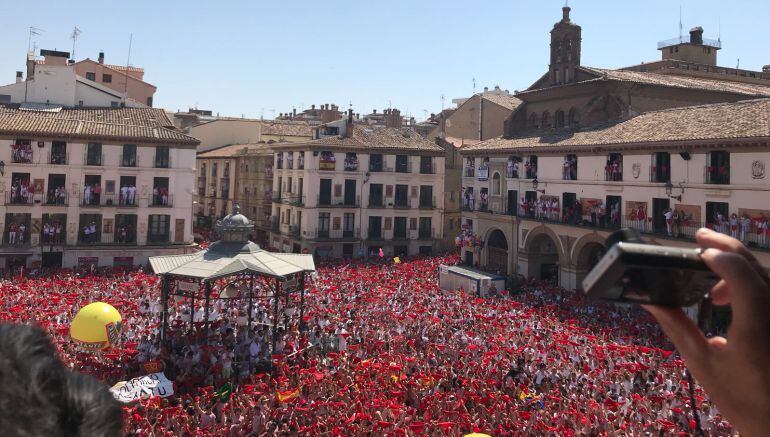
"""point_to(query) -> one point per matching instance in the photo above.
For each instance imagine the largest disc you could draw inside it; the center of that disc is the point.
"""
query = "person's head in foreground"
(40, 397)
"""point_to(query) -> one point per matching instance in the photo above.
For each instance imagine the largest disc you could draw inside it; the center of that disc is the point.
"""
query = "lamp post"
(670, 188)
(535, 184)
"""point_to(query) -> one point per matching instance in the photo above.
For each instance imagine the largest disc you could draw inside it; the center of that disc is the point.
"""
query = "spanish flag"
(288, 395)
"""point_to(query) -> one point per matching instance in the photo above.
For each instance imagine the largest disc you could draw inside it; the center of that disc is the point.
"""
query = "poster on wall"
(590, 205)
(688, 214)
(326, 161)
(483, 172)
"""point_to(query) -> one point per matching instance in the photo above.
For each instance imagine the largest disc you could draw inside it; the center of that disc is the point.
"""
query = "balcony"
(402, 203)
(17, 240)
(428, 168)
(337, 234)
(18, 199)
(613, 173)
(294, 231)
(276, 196)
(716, 175)
(161, 161)
(158, 238)
(531, 173)
(469, 172)
(376, 202)
(338, 202)
(128, 161)
(469, 204)
(426, 234)
(428, 203)
(162, 200)
(94, 159)
(275, 224)
(659, 175)
(512, 173)
(57, 239)
(53, 200)
(62, 158)
(296, 200)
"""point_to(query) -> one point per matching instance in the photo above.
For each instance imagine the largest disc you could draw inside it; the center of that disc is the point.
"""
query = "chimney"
(327, 107)
(294, 112)
(349, 125)
(766, 69)
(101, 57)
(312, 107)
(486, 88)
(696, 36)
(374, 111)
(565, 13)
(19, 77)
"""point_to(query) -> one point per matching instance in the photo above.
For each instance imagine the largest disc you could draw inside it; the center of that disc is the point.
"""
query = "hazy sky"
(261, 58)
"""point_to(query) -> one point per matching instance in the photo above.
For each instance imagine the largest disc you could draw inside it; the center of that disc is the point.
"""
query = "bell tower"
(565, 49)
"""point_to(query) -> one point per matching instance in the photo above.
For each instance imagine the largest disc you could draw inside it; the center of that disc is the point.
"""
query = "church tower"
(565, 50)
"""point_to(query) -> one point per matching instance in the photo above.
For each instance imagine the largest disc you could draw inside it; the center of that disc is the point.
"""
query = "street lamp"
(2, 168)
(535, 183)
(670, 188)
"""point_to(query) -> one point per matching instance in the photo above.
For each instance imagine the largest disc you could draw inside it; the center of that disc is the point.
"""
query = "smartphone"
(656, 275)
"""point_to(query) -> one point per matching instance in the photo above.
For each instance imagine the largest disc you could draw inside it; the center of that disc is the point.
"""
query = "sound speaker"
(685, 155)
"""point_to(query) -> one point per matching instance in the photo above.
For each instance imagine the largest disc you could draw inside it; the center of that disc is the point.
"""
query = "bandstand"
(192, 276)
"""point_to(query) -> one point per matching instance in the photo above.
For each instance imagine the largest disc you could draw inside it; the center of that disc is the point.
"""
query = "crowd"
(22, 191)
(383, 351)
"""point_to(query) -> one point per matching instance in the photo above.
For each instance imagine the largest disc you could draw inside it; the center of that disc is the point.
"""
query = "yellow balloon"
(96, 326)
(477, 434)
(397, 260)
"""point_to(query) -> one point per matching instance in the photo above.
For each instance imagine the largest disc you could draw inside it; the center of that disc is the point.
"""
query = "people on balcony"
(22, 191)
(128, 195)
(52, 232)
(21, 153)
(16, 233)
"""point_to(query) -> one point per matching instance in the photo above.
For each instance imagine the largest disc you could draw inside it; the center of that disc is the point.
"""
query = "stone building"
(590, 150)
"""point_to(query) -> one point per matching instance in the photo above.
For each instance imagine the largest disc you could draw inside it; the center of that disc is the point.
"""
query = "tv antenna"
(474, 85)
(681, 27)
(443, 97)
(32, 31)
(74, 37)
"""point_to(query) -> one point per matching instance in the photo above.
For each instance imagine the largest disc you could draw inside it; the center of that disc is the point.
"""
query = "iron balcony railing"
(61, 158)
(339, 201)
(429, 168)
(55, 239)
(161, 200)
(336, 234)
(427, 203)
(52, 199)
(716, 175)
(18, 198)
(95, 159)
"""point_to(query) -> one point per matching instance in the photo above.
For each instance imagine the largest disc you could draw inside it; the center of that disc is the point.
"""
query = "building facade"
(590, 151)
(357, 190)
(241, 174)
(105, 187)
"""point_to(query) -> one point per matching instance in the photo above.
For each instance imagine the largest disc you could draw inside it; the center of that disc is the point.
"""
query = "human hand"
(734, 371)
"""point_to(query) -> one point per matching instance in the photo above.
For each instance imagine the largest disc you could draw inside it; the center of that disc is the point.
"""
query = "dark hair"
(39, 396)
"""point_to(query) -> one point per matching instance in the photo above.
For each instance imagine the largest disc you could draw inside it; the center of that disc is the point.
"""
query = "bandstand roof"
(225, 258)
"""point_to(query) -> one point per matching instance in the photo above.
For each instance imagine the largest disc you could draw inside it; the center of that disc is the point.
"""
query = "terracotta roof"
(374, 137)
(287, 128)
(723, 121)
(116, 124)
(667, 80)
(235, 150)
(506, 101)
(124, 68)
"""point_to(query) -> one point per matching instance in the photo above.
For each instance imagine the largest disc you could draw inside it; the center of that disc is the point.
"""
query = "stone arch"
(497, 249)
(586, 252)
(545, 120)
(544, 253)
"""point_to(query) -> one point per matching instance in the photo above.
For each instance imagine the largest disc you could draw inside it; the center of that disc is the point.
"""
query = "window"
(569, 172)
(324, 192)
(496, 184)
(375, 162)
(125, 228)
(426, 165)
(399, 228)
(94, 154)
(512, 167)
(545, 121)
(425, 227)
(560, 119)
(91, 76)
(613, 171)
(572, 118)
(162, 157)
(161, 196)
(375, 196)
(402, 164)
(660, 169)
(149, 102)
(718, 167)
(226, 172)
(114, 104)
(90, 229)
(129, 156)
(401, 199)
(375, 227)
(213, 169)
(348, 225)
(426, 196)
(533, 121)
(107, 78)
(531, 167)
(158, 229)
(351, 161)
(21, 152)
